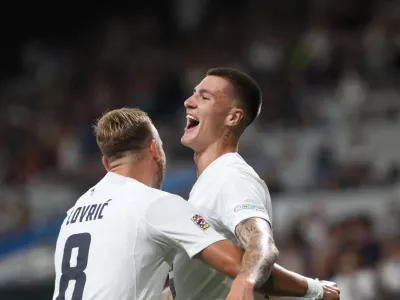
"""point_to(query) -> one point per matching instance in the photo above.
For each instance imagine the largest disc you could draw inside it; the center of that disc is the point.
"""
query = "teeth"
(192, 118)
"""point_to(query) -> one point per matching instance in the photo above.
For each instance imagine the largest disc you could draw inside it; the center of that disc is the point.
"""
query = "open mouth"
(192, 122)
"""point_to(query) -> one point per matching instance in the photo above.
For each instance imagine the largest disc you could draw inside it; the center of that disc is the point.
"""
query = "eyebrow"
(203, 91)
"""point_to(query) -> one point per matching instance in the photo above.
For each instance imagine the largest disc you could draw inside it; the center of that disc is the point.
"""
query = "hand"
(331, 291)
(241, 289)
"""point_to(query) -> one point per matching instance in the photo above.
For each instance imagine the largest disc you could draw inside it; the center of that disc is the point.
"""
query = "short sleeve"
(177, 224)
(244, 198)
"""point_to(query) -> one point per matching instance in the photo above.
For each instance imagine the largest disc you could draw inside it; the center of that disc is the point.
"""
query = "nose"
(190, 102)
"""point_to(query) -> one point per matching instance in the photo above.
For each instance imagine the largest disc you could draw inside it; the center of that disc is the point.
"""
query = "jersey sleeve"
(176, 224)
(244, 198)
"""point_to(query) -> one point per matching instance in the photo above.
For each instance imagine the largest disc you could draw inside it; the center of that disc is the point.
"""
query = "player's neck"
(136, 172)
(204, 158)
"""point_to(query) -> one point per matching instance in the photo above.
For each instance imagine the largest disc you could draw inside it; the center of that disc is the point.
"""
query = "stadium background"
(327, 141)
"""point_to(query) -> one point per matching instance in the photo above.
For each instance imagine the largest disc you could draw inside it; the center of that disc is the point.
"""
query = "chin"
(183, 141)
(187, 142)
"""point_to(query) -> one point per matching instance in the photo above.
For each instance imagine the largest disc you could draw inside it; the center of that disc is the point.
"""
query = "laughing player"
(232, 197)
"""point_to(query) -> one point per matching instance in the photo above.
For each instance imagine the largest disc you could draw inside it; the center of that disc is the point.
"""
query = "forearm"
(223, 256)
(260, 251)
(286, 283)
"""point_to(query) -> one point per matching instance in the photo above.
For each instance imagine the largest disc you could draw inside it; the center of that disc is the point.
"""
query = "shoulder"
(241, 183)
(235, 167)
(165, 196)
(164, 201)
(149, 194)
(242, 176)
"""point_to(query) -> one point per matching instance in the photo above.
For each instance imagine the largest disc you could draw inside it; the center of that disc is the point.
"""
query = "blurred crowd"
(349, 252)
(153, 61)
(330, 65)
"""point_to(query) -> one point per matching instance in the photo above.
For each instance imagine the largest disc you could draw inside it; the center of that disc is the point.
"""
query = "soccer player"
(120, 237)
(232, 197)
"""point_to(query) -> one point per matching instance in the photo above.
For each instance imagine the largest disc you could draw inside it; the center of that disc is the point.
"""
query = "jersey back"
(116, 242)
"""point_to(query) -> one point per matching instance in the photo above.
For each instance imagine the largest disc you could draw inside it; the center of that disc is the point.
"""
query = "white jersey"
(226, 193)
(119, 239)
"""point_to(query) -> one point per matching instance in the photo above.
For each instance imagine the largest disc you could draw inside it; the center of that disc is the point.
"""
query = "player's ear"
(105, 163)
(234, 117)
(154, 150)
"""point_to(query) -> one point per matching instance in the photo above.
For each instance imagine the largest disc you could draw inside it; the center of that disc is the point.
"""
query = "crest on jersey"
(249, 206)
(199, 221)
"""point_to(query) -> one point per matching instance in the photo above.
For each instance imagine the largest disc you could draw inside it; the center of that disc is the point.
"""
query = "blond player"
(120, 237)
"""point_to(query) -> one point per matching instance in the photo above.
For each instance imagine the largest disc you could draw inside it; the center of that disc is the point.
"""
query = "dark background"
(326, 141)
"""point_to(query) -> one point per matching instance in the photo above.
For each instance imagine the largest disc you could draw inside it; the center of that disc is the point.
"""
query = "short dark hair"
(246, 90)
(123, 130)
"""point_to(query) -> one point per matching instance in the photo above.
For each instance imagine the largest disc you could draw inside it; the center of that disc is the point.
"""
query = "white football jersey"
(119, 239)
(226, 193)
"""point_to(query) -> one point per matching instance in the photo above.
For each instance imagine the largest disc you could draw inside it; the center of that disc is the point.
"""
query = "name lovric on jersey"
(87, 213)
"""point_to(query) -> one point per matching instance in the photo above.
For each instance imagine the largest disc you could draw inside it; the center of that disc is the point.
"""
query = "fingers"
(328, 283)
(332, 288)
(331, 291)
(331, 294)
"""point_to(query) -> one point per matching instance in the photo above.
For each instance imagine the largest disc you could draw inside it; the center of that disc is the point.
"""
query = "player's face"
(207, 110)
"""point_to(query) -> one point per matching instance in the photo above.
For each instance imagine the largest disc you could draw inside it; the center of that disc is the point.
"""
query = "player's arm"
(176, 224)
(285, 283)
(223, 256)
(245, 213)
(255, 236)
(281, 282)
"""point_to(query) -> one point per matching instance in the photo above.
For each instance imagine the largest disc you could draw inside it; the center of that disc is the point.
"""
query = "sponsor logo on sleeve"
(199, 221)
(255, 207)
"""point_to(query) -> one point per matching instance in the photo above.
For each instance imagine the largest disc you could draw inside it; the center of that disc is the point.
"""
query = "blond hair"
(122, 131)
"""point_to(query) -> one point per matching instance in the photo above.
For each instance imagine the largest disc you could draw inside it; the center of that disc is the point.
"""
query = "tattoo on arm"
(255, 235)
